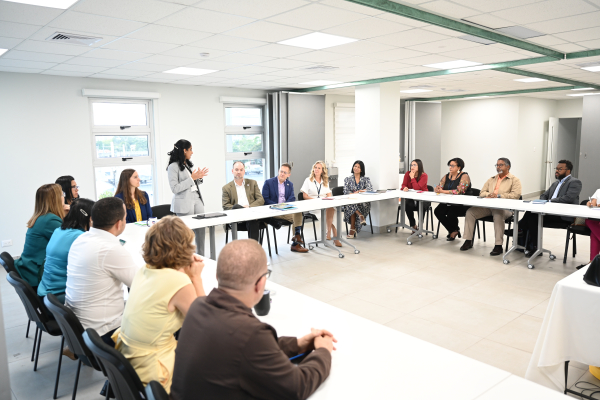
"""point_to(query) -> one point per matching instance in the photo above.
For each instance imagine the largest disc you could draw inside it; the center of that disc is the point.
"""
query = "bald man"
(225, 352)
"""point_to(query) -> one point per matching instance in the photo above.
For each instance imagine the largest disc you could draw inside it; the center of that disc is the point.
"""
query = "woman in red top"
(415, 179)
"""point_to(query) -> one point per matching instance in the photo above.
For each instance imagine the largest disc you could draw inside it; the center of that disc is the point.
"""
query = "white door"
(551, 151)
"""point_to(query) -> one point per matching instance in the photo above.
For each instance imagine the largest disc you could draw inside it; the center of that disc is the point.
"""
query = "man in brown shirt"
(504, 185)
(225, 352)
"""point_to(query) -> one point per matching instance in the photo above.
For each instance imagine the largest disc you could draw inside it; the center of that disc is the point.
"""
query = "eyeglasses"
(74, 187)
(561, 169)
(453, 165)
(267, 274)
(500, 165)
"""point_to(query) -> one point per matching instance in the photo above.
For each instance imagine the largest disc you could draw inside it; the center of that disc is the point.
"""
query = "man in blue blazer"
(280, 190)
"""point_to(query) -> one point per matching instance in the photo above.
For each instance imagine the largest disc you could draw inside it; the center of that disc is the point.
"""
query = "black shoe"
(497, 250)
(466, 245)
(582, 265)
(452, 239)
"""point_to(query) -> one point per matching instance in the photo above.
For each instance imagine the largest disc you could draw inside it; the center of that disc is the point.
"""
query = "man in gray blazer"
(565, 190)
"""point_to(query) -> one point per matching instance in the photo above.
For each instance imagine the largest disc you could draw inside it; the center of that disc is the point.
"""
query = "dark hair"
(287, 165)
(106, 212)
(420, 170)
(65, 182)
(506, 161)
(123, 188)
(79, 215)
(459, 163)
(362, 167)
(569, 164)
(238, 161)
(177, 155)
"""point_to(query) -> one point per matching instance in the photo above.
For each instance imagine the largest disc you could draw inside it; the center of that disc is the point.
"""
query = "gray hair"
(235, 162)
(506, 161)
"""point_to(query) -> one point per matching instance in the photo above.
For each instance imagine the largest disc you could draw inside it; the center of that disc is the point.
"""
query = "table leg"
(540, 241)
(515, 243)
(402, 223)
(339, 230)
(234, 231)
(419, 232)
(213, 251)
(567, 390)
(323, 240)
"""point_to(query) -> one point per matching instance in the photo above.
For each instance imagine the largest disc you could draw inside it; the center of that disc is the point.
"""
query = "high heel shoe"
(362, 220)
(451, 239)
(351, 234)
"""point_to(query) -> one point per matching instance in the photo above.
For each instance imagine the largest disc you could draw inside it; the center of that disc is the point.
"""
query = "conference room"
(437, 160)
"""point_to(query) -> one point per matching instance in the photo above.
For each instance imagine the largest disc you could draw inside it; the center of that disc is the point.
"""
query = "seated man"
(280, 190)
(97, 268)
(244, 193)
(225, 352)
(504, 185)
(566, 190)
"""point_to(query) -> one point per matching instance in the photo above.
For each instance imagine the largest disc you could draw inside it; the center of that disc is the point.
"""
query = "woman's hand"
(194, 270)
(412, 175)
(438, 189)
(199, 173)
(589, 204)
(405, 189)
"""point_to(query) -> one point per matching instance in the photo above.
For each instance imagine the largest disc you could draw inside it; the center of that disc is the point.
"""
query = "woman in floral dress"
(356, 183)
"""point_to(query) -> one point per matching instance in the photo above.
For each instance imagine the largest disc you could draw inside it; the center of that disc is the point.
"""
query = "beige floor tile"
(438, 280)
(468, 316)
(386, 268)
(520, 333)
(539, 310)
(500, 356)
(282, 279)
(431, 332)
(399, 296)
(305, 269)
(366, 309)
(503, 295)
(469, 266)
(314, 291)
(347, 281)
(535, 279)
(585, 377)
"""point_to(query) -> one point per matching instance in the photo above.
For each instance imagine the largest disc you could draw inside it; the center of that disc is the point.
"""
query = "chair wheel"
(311, 247)
(530, 266)
(388, 230)
(434, 236)
(506, 262)
(356, 251)
(341, 255)
(409, 243)
(552, 257)
(420, 236)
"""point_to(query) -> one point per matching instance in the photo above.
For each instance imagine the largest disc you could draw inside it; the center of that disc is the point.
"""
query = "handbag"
(592, 275)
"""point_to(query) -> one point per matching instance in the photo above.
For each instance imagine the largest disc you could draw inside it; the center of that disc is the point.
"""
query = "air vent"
(320, 68)
(476, 39)
(70, 38)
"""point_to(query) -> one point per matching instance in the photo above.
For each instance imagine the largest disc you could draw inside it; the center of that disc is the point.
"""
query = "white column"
(378, 143)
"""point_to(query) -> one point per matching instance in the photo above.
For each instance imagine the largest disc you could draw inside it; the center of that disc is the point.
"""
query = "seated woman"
(69, 188)
(415, 179)
(77, 221)
(594, 226)
(356, 183)
(317, 186)
(136, 201)
(160, 296)
(48, 215)
(455, 182)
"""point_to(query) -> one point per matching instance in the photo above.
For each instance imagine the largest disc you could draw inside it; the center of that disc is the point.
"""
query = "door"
(551, 151)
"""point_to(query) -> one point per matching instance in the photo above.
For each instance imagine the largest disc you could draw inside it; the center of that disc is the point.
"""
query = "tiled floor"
(467, 302)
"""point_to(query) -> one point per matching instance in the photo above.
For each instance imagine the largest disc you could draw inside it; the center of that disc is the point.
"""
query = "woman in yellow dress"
(160, 296)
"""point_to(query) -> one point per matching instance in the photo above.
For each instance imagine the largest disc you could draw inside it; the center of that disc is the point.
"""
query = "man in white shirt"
(243, 193)
(98, 267)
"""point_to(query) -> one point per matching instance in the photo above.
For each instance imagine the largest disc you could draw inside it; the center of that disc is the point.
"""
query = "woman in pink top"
(416, 179)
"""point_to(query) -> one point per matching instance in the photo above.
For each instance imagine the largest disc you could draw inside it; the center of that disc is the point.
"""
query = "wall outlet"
(7, 243)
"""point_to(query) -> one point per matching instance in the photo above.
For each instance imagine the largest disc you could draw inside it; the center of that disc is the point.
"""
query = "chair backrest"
(8, 263)
(430, 188)
(36, 310)
(475, 192)
(162, 211)
(72, 330)
(156, 391)
(337, 191)
(300, 196)
(124, 381)
(583, 203)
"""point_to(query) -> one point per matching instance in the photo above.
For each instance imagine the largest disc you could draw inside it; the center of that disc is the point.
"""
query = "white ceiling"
(143, 38)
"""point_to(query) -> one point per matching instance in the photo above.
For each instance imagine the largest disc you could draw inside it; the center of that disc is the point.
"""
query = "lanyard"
(318, 188)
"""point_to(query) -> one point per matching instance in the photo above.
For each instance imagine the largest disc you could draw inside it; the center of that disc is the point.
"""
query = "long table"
(373, 361)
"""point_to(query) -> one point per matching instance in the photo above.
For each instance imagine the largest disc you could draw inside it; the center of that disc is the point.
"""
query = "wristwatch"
(498, 196)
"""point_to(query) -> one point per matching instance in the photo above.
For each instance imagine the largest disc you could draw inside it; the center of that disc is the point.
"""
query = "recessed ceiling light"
(319, 83)
(594, 68)
(528, 80)
(317, 40)
(584, 94)
(62, 4)
(453, 64)
(190, 71)
(2, 51)
(584, 88)
(415, 91)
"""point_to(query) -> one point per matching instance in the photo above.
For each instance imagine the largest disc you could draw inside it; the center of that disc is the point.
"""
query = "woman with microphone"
(185, 185)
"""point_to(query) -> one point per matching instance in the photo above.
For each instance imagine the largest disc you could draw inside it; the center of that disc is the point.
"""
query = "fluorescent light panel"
(584, 94)
(317, 41)
(415, 91)
(594, 68)
(584, 88)
(190, 71)
(320, 83)
(529, 80)
(2, 51)
(62, 4)
(453, 64)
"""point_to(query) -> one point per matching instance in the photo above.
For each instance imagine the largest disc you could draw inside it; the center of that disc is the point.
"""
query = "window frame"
(235, 130)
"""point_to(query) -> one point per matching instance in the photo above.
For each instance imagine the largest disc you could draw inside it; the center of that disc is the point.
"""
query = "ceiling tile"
(30, 56)
(496, 58)
(243, 58)
(116, 54)
(142, 66)
(107, 76)
(169, 60)
(96, 24)
(316, 17)
(427, 59)
(127, 72)
(45, 32)
(318, 56)
(218, 65)
(589, 20)
(168, 34)
(146, 79)
(357, 61)
(7, 62)
(284, 63)
(580, 35)
(95, 62)
(170, 77)
(443, 31)
(27, 14)
(493, 5)
(277, 50)
(410, 38)
(397, 54)
(78, 68)
(254, 69)
(446, 45)
(289, 73)
(228, 74)
(346, 5)
(550, 9)
(9, 43)
(367, 28)
(227, 43)
(14, 30)
(387, 66)
(52, 48)
(547, 40)
(135, 10)
(569, 47)
(195, 52)
(268, 32)
(475, 51)
(143, 46)
(258, 9)
(66, 73)
(402, 20)
(204, 78)
(21, 70)
(489, 20)
(590, 44)
(360, 47)
(204, 20)
(449, 9)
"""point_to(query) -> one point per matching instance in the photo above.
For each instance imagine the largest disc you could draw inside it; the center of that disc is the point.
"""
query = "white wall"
(569, 108)
(330, 100)
(45, 133)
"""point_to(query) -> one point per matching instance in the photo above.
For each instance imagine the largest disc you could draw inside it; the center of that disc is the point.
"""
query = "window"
(122, 137)
(245, 141)
(344, 140)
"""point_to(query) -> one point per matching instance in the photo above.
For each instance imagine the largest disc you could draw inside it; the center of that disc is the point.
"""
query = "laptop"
(210, 215)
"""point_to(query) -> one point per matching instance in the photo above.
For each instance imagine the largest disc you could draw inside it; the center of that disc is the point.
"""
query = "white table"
(373, 361)
(570, 332)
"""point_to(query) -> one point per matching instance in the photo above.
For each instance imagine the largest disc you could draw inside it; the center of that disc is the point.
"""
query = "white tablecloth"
(570, 331)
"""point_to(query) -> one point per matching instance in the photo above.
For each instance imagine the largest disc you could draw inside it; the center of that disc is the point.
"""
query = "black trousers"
(529, 224)
(448, 215)
(253, 228)
(411, 207)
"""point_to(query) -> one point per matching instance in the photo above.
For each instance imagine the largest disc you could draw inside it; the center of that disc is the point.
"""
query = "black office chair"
(339, 191)
(277, 223)
(474, 192)
(510, 220)
(572, 232)
(308, 216)
(38, 313)
(123, 379)
(162, 211)
(156, 391)
(8, 262)
(72, 331)
(244, 228)
(428, 212)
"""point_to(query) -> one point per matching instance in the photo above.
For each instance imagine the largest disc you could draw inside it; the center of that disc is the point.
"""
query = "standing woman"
(355, 183)
(415, 179)
(455, 182)
(317, 186)
(185, 185)
(48, 216)
(136, 201)
(70, 188)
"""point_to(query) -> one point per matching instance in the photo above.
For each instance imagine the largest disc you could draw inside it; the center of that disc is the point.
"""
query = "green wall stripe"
(547, 77)
(438, 20)
(511, 92)
(582, 54)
